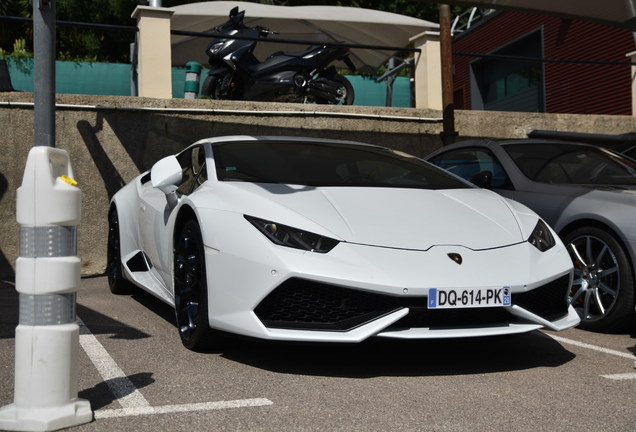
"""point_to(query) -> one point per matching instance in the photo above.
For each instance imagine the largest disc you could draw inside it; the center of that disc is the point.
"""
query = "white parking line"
(122, 388)
(167, 409)
(130, 398)
(624, 376)
(592, 347)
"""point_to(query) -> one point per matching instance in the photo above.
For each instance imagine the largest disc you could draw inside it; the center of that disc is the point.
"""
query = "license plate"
(455, 298)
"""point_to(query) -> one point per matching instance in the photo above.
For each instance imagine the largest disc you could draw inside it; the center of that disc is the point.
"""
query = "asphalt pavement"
(137, 376)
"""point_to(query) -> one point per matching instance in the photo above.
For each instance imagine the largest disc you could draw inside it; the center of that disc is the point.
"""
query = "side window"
(194, 170)
(472, 163)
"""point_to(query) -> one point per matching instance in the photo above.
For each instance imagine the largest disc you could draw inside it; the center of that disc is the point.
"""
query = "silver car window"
(572, 164)
(468, 163)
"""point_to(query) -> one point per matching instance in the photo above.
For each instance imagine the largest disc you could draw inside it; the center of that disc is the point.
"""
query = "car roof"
(510, 142)
(242, 138)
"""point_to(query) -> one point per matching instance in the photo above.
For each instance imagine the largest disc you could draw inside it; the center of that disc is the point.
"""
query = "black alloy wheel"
(116, 281)
(190, 288)
(602, 292)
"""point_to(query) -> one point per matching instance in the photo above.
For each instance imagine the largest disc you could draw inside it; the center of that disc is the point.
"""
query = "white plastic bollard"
(47, 278)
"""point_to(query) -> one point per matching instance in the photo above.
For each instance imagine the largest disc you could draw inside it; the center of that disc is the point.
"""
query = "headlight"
(213, 49)
(541, 238)
(293, 237)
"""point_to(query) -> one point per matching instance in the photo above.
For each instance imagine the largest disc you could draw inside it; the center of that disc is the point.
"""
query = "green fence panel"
(114, 79)
(93, 78)
(21, 73)
(76, 77)
(368, 92)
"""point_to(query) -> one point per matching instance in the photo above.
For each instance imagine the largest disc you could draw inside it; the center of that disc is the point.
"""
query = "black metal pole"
(44, 71)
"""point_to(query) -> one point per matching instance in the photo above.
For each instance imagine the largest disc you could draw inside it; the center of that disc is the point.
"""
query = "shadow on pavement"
(101, 394)
(102, 324)
(9, 310)
(386, 357)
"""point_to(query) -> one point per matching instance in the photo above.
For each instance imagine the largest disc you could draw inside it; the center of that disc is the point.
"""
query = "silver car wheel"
(597, 277)
(602, 291)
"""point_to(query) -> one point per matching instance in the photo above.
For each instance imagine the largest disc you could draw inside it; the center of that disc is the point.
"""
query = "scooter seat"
(296, 54)
(277, 59)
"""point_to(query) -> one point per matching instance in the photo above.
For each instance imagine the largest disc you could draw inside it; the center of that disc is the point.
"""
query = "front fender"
(217, 71)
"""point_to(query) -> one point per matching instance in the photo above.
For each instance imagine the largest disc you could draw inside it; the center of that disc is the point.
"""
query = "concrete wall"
(112, 139)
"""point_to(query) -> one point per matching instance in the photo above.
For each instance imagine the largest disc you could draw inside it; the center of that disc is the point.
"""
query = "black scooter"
(284, 76)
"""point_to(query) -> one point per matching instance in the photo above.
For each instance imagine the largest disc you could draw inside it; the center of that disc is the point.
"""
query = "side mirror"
(166, 175)
(483, 179)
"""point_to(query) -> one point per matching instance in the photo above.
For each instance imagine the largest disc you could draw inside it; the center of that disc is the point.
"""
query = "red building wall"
(569, 88)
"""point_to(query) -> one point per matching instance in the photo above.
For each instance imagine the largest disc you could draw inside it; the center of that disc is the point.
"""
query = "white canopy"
(315, 23)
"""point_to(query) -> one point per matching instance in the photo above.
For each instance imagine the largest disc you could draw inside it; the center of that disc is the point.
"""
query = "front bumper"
(355, 292)
(301, 305)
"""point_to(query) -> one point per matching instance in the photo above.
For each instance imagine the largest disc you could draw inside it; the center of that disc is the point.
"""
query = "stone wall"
(112, 139)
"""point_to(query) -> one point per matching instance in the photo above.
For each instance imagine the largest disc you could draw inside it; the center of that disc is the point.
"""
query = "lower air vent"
(138, 263)
(549, 301)
(301, 304)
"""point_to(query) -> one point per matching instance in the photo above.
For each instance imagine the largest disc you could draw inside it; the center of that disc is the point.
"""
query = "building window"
(510, 85)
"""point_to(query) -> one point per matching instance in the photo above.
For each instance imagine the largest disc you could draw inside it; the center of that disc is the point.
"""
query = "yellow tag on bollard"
(67, 179)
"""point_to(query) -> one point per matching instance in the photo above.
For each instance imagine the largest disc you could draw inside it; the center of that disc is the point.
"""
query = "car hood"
(387, 217)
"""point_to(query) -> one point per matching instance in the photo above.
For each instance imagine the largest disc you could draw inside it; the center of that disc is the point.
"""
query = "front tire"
(602, 292)
(220, 86)
(210, 87)
(116, 282)
(190, 288)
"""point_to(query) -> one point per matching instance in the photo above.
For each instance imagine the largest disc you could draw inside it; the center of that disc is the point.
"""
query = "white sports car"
(319, 240)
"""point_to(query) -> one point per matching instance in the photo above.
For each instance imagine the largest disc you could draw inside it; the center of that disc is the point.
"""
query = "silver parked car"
(586, 193)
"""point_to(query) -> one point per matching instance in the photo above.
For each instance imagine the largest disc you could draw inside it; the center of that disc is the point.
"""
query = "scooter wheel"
(210, 87)
(347, 94)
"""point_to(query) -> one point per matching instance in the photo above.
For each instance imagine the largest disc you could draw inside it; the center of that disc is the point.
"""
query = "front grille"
(307, 305)
(549, 301)
(303, 304)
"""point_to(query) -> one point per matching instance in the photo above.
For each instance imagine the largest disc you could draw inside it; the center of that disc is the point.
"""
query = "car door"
(155, 212)
(152, 207)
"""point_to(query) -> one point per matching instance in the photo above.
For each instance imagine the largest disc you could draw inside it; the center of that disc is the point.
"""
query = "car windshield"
(326, 164)
(572, 164)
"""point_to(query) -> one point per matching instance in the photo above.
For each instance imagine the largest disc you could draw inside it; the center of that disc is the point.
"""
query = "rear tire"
(347, 95)
(190, 288)
(603, 289)
(116, 282)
